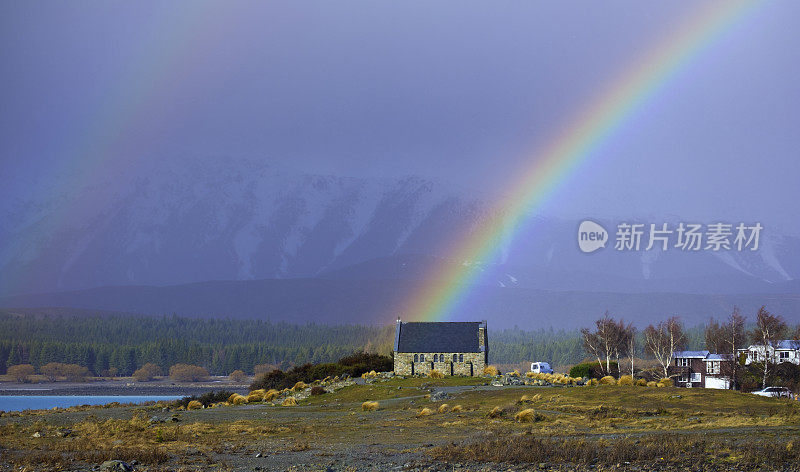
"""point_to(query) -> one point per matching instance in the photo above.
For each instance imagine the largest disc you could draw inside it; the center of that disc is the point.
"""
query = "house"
(452, 348)
(787, 350)
(700, 369)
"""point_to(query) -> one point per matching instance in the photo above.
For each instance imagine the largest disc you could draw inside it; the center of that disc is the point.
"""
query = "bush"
(188, 373)
(317, 390)
(194, 405)
(353, 365)
(271, 394)
(237, 376)
(207, 399)
(425, 412)
(652, 383)
(641, 383)
(665, 382)
(147, 372)
(289, 401)
(592, 383)
(626, 380)
(237, 399)
(256, 396)
(435, 374)
(21, 372)
(491, 371)
(52, 370)
(369, 406)
(593, 370)
(608, 380)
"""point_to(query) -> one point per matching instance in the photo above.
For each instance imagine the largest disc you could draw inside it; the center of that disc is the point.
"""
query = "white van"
(541, 368)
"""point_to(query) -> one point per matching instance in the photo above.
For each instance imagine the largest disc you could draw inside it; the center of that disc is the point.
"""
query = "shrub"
(369, 406)
(435, 374)
(443, 408)
(528, 415)
(515, 373)
(237, 376)
(641, 383)
(592, 383)
(491, 371)
(425, 412)
(665, 382)
(21, 372)
(317, 390)
(52, 370)
(194, 405)
(147, 372)
(594, 370)
(299, 386)
(271, 394)
(652, 383)
(625, 380)
(608, 380)
(208, 398)
(457, 409)
(289, 401)
(353, 365)
(188, 373)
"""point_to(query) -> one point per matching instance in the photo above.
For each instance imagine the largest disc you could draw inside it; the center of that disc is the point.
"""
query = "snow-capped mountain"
(180, 222)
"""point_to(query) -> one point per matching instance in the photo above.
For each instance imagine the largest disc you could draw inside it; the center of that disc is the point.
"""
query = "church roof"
(453, 336)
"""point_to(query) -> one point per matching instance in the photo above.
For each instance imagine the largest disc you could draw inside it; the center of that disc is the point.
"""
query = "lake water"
(45, 402)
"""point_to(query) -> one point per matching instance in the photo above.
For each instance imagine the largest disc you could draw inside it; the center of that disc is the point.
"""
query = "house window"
(683, 362)
(461, 358)
(435, 358)
(416, 358)
(696, 377)
(455, 357)
(683, 378)
(422, 357)
(712, 367)
(783, 356)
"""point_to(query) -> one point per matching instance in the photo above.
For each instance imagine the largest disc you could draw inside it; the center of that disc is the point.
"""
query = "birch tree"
(768, 331)
(663, 340)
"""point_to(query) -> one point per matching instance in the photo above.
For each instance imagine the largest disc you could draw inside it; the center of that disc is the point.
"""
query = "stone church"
(452, 348)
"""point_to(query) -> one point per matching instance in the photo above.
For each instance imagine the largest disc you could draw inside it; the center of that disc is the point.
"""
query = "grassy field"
(478, 426)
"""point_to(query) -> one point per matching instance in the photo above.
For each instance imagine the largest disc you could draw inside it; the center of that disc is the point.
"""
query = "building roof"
(715, 357)
(456, 336)
(788, 344)
(690, 354)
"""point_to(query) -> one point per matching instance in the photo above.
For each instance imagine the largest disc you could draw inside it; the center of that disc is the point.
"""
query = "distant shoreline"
(114, 388)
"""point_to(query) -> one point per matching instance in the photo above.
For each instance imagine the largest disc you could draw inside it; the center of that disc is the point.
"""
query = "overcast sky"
(464, 91)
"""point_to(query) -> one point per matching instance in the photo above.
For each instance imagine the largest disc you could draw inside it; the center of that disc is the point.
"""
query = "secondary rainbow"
(449, 284)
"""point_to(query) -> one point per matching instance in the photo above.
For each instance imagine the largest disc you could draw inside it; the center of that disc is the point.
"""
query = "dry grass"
(194, 405)
(652, 383)
(457, 409)
(299, 386)
(496, 412)
(592, 383)
(608, 380)
(255, 396)
(490, 370)
(435, 374)
(641, 383)
(370, 406)
(237, 399)
(530, 398)
(271, 394)
(527, 415)
(425, 412)
(665, 382)
(625, 380)
(289, 401)
(443, 408)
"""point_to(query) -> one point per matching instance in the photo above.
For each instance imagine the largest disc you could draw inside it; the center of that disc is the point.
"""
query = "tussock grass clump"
(652, 383)
(625, 380)
(237, 399)
(369, 406)
(665, 382)
(608, 380)
(530, 398)
(271, 394)
(299, 386)
(194, 405)
(369, 375)
(592, 383)
(496, 412)
(515, 373)
(443, 408)
(435, 374)
(255, 396)
(425, 412)
(457, 409)
(491, 371)
(528, 415)
(289, 401)
(641, 383)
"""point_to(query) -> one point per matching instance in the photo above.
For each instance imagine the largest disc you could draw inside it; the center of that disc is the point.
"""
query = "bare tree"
(715, 337)
(769, 330)
(735, 339)
(629, 343)
(663, 340)
(604, 342)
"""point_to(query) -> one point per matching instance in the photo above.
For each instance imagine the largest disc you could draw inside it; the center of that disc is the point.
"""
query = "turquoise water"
(45, 402)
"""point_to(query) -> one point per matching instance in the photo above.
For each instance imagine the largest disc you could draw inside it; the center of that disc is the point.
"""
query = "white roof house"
(787, 350)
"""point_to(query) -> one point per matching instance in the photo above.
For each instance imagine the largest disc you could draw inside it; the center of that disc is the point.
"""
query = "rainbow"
(450, 283)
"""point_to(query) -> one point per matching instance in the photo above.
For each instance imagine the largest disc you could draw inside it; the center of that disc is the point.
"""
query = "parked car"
(541, 368)
(779, 392)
